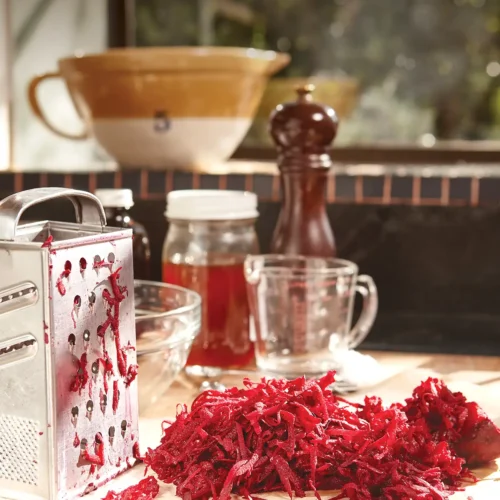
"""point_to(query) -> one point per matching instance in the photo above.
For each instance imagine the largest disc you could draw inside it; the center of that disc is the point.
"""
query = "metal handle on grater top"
(88, 208)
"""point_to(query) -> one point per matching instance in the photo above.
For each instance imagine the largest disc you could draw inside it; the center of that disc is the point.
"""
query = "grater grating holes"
(19, 449)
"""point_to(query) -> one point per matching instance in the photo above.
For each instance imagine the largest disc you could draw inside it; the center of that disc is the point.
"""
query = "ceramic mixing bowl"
(165, 107)
(168, 319)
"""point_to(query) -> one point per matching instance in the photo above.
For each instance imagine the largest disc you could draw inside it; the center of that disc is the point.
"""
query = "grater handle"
(88, 208)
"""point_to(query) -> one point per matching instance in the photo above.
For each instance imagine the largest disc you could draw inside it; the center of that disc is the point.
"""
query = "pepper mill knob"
(303, 132)
(304, 128)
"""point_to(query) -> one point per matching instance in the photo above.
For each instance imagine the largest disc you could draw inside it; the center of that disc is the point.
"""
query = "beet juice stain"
(61, 288)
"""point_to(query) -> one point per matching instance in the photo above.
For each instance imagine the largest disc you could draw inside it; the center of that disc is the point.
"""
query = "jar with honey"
(210, 234)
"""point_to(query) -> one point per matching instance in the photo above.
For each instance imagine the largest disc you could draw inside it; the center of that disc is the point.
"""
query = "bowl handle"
(37, 109)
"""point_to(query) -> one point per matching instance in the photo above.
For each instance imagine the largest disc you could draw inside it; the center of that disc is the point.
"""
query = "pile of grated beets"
(297, 436)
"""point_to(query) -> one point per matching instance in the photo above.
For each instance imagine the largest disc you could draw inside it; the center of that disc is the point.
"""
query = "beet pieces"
(147, 489)
(450, 417)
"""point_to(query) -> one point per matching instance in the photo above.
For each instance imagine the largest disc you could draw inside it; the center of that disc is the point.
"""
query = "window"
(408, 74)
(34, 34)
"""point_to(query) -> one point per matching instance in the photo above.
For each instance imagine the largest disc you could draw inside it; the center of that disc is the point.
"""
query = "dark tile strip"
(373, 187)
(342, 188)
(262, 185)
(460, 189)
(402, 188)
(181, 180)
(31, 180)
(236, 182)
(489, 190)
(55, 180)
(80, 181)
(431, 188)
(209, 181)
(156, 182)
(106, 180)
(7, 184)
(132, 179)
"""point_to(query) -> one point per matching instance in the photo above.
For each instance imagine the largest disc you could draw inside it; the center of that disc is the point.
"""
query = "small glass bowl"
(168, 319)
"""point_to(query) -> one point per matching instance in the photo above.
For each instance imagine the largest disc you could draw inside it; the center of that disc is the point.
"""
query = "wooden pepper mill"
(303, 131)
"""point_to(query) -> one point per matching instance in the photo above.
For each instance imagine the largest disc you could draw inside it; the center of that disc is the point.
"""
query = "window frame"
(121, 33)
(6, 125)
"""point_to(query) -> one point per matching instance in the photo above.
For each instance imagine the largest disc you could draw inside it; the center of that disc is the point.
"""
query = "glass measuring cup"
(301, 309)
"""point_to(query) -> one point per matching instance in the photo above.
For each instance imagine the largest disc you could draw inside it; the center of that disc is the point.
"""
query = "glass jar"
(209, 236)
(117, 203)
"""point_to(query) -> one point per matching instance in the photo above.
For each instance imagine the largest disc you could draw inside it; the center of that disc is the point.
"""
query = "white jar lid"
(208, 204)
(115, 198)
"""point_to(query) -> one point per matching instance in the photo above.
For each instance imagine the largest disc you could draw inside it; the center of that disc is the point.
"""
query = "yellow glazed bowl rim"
(178, 59)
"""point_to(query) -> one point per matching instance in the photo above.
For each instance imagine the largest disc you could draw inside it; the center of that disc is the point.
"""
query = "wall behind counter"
(437, 267)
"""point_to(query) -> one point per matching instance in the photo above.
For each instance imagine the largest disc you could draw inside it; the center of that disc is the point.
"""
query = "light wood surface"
(477, 377)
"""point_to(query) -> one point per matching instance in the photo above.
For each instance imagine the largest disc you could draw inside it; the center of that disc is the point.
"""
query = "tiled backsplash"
(439, 186)
(437, 267)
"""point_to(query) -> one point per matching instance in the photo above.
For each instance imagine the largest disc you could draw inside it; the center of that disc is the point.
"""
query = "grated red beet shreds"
(46, 333)
(450, 417)
(116, 396)
(132, 373)
(113, 301)
(297, 436)
(81, 376)
(108, 370)
(147, 489)
(97, 458)
(48, 242)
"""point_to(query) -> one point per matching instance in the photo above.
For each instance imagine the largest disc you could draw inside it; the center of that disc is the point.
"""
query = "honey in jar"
(210, 234)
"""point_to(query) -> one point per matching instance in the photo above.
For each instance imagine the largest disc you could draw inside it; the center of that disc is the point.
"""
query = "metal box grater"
(69, 409)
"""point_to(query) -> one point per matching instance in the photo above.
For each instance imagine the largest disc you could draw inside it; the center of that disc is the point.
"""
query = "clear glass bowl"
(168, 319)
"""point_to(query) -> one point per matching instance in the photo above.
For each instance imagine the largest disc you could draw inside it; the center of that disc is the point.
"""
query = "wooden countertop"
(407, 369)
(477, 377)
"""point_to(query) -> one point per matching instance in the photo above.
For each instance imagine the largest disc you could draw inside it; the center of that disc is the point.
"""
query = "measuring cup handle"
(367, 288)
(88, 208)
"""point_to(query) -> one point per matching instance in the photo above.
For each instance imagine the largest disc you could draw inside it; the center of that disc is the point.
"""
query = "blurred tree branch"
(236, 11)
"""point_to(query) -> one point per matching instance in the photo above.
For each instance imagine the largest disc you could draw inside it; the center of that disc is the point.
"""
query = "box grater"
(69, 409)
